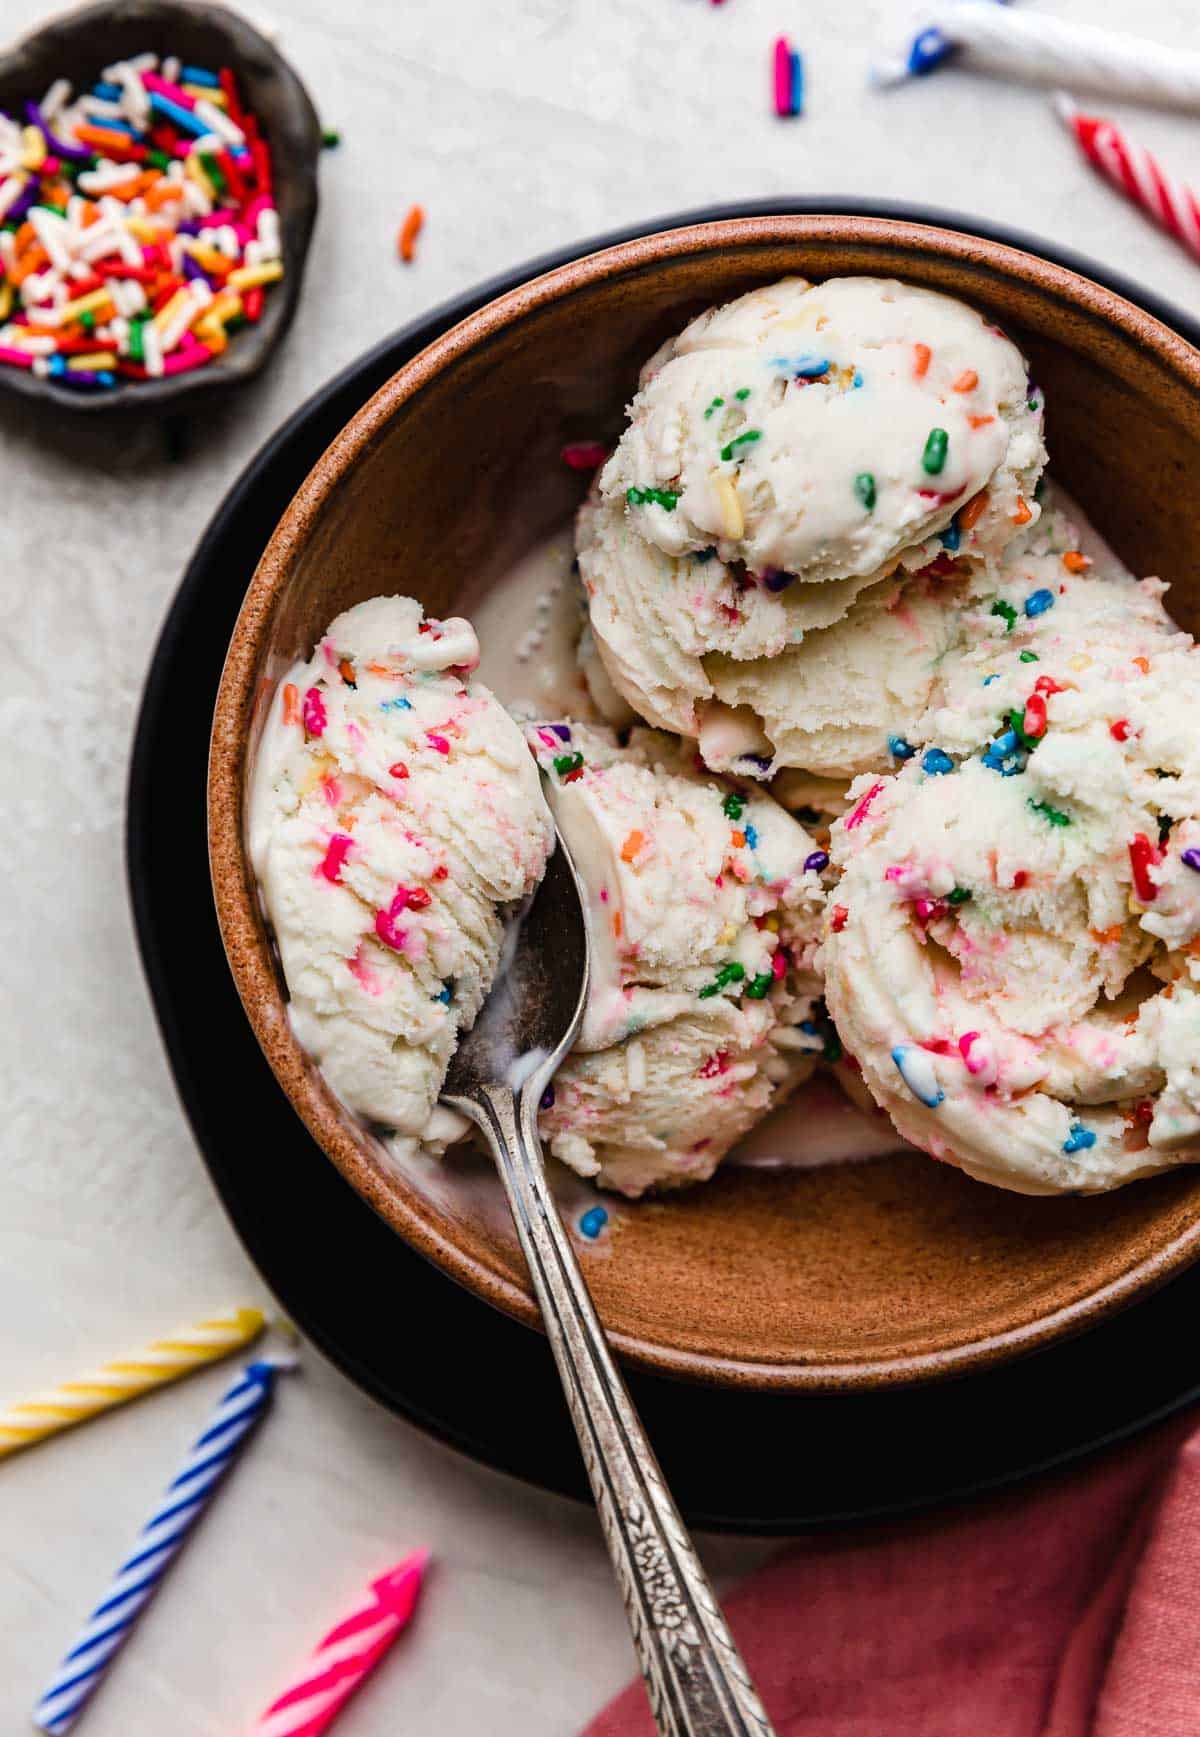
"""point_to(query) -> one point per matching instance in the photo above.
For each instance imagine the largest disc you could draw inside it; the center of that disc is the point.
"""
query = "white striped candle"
(347, 1655)
(135, 1582)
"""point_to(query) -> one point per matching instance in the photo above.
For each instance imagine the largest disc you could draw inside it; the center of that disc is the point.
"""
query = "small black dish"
(77, 46)
(736, 1460)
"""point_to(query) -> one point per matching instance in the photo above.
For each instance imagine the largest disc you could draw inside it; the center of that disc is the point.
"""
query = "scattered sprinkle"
(1119, 730)
(958, 895)
(775, 579)
(758, 986)
(916, 1070)
(665, 498)
(546, 1101)
(593, 1222)
(864, 488)
(1142, 856)
(330, 139)
(399, 704)
(1190, 859)
(439, 743)
(968, 517)
(1055, 816)
(1006, 612)
(819, 860)
(1075, 561)
(922, 356)
(739, 440)
(967, 381)
(314, 714)
(715, 405)
(837, 918)
(951, 537)
(788, 79)
(1024, 511)
(1033, 722)
(933, 459)
(338, 849)
(584, 455)
(406, 241)
(635, 841)
(291, 703)
(899, 749)
(935, 761)
(1030, 657)
(565, 764)
(733, 806)
(742, 393)
(1039, 602)
(750, 833)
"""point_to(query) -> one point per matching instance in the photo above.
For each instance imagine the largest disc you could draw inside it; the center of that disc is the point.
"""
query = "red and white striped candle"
(1136, 173)
(347, 1655)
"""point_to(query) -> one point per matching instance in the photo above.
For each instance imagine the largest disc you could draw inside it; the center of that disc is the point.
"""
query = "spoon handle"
(695, 1677)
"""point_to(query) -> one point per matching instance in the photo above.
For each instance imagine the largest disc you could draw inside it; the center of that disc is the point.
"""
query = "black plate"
(402, 1330)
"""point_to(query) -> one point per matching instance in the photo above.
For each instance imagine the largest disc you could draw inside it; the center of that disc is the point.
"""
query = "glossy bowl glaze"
(76, 45)
(883, 1273)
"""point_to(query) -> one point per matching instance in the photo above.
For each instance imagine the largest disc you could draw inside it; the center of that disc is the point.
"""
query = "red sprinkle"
(716, 1064)
(1020, 879)
(584, 454)
(838, 918)
(339, 848)
(861, 810)
(1142, 854)
(572, 776)
(779, 963)
(440, 872)
(398, 770)
(314, 715)
(1034, 721)
(1048, 685)
(419, 898)
(1119, 731)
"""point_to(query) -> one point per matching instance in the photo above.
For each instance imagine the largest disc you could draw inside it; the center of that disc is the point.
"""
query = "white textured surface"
(519, 128)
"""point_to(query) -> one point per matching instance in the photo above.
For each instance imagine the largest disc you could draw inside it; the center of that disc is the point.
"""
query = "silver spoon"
(695, 1677)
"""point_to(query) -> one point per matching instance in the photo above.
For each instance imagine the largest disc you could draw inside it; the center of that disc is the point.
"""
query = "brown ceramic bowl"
(867, 1275)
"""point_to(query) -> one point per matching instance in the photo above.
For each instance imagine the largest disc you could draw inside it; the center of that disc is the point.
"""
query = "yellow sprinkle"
(33, 148)
(83, 305)
(194, 167)
(144, 231)
(93, 363)
(250, 276)
(207, 94)
(727, 934)
(1079, 662)
(211, 332)
(162, 1361)
(1134, 906)
(733, 521)
(771, 922)
(170, 310)
(6, 300)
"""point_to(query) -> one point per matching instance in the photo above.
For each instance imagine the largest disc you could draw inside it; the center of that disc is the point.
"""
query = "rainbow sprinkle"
(787, 78)
(138, 225)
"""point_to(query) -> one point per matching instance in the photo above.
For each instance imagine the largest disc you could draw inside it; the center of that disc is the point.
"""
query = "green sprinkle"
(1016, 723)
(747, 439)
(757, 987)
(831, 1050)
(742, 393)
(213, 170)
(934, 457)
(137, 350)
(1055, 816)
(1006, 610)
(715, 405)
(733, 972)
(1030, 657)
(330, 140)
(958, 895)
(158, 159)
(87, 320)
(564, 763)
(709, 989)
(733, 806)
(864, 488)
(652, 498)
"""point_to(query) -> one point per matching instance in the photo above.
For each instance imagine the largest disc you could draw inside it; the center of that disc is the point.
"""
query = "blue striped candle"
(158, 1543)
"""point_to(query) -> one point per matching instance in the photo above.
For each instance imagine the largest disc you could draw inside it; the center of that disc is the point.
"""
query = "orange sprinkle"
(409, 231)
(922, 356)
(1109, 935)
(973, 511)
(141, 186)
(739, 840)
(33, 259)
(617, 924)
(380, 669)
(633, 844)
(1143, 663)
(346, 671)
(967, 381)
(291, 703)
(24, 236)
(980, 421)
(1075, 561)
(1023, 513)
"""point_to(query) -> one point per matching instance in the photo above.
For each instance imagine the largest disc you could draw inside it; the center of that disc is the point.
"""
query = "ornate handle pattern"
(695, 1677)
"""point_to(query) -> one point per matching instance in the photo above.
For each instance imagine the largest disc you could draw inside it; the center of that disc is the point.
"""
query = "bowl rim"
(244, 937)
(245, 43)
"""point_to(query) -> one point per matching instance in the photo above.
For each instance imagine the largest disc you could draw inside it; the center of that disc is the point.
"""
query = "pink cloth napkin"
(1070, 1608)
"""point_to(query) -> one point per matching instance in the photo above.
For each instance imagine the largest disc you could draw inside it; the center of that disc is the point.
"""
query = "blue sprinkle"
(112, 125)
(929, 49)
(562, 731)
(809, 1028)
(796, 83)
(1039, 602)
(988, 680)
(1004, 755)
(750, 834)
(951, 536)
(803, 367)
(444, 994)
(58, 367)
(593, 1221)
(857, 381)
(703, 556)
(109, 93)
(934, 761)
(546, 1101)
(199, 75)
(399, 704)
(1079, 1138)
(899, 749)
(916, 1070)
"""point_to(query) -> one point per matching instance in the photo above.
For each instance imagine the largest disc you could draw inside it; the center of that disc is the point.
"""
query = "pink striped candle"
(1137, 174)
(347, 1655)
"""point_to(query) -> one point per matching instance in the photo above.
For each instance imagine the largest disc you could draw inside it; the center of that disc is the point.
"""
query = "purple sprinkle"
(1191, 858)
(189, 226)
(192, 270)
(763, 760)
(775, 579)
(817, 861)
(22, 203)
(562, 731)
(546, 1101)
(68, 153)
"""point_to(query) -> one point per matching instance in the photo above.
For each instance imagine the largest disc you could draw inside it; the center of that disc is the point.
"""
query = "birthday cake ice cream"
(395, 814)
(703, 900)
(785, 455)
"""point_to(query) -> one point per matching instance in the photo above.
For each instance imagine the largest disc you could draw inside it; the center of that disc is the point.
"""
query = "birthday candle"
(347, 1655)
(158, 1543)
(165, 1360)
(1137, 174)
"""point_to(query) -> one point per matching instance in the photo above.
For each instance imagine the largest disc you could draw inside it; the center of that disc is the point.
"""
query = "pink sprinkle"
(438, 742)
(385, 928)
(584, 454)
(859, 814)
(783, 77)
(338, 849)
(928, 909)
(359, 968)
(603, 895)
(548, 739)
(894, 873)
(329, 654)
(779, 963)
(313, 713)
(332, 790)
(716, 1064)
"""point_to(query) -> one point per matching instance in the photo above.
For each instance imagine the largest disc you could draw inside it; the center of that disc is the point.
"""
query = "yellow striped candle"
(192, 1348)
